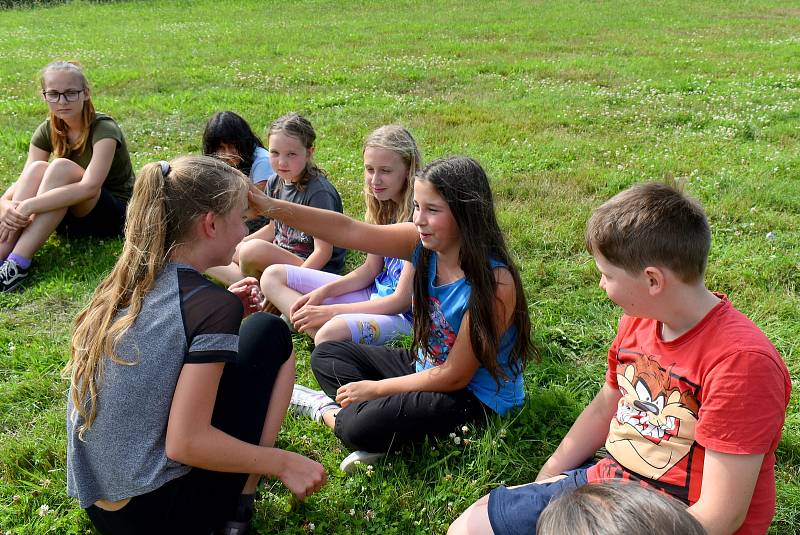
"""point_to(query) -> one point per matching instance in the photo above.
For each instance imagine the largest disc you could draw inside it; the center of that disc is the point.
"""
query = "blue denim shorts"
(516, 511)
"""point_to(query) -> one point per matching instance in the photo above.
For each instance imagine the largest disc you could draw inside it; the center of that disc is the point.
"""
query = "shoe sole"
(348, 465)
(16, 285)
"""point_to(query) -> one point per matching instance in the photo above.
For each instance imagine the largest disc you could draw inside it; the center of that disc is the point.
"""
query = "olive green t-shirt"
(119, 181)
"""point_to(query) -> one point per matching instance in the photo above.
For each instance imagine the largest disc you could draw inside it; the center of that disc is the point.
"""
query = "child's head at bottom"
(617, 508)
(651, 224)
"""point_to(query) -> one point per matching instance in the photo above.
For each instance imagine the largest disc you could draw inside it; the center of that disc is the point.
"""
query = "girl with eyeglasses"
(83, 191)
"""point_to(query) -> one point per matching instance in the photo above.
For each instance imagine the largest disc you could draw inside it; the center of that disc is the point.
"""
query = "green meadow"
(564, 103)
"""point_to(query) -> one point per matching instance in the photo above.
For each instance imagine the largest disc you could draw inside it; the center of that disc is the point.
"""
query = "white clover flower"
(457, 440)
(452, 435)
(465, 429)
(44, 509)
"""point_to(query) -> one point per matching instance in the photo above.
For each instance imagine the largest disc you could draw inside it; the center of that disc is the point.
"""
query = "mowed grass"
(564, 104)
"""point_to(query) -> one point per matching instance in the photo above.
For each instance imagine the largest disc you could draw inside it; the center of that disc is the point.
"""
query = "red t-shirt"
(721, 385)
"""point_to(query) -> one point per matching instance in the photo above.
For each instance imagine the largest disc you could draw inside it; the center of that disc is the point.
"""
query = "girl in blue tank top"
(471, 325)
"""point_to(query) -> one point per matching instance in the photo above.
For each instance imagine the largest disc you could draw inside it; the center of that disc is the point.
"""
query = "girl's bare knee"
(334, 330)
(35, 170)
(275, 275)
(61, 171)
(248, 254)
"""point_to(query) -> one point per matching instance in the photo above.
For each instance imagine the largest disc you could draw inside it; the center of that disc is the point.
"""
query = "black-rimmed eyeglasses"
(70, 95)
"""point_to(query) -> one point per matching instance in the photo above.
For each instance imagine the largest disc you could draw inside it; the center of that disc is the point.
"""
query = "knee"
(322, 354)
(334, 330)
(273, 277)
(474, 520)
(248, 253)
(265, 333)
(35, 170)
(61, 171)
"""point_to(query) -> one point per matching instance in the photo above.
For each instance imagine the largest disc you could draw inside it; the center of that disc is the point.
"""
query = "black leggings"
(202, 500)
(384, 423)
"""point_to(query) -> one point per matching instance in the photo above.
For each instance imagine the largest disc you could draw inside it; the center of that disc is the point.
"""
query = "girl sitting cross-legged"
(471, 325)
(372, 303)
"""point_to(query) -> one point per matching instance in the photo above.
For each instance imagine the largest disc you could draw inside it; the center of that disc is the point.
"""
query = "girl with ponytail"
(83, 191)
(173, 405)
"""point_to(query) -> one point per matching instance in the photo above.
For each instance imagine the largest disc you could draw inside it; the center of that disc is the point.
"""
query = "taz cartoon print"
(655, 422)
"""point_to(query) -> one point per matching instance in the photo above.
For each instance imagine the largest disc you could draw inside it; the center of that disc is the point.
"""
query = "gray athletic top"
(184, 319)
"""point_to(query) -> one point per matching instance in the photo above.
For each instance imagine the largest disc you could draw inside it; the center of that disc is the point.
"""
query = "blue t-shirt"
(448, 304)
(261, 169)
(386, 282)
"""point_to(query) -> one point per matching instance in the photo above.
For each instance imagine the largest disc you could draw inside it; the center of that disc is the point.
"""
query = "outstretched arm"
(397, 241)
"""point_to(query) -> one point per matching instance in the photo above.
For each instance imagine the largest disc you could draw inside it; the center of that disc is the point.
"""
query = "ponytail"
(167, 200)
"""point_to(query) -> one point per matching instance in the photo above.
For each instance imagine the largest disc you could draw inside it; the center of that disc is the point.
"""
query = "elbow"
(179, 448)
(455, 382)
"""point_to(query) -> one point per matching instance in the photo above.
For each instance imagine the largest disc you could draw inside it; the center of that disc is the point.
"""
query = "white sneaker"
(356, 458)
(311, 403)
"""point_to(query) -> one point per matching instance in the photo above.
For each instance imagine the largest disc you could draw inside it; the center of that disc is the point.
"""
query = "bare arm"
(192, 440)
(586, 435)
(397, 241)
(456, 372)
(728, 484)
(319, 256)
(88, 186)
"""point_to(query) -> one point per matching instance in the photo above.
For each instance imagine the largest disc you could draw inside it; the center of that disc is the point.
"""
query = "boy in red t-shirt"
(695, 393)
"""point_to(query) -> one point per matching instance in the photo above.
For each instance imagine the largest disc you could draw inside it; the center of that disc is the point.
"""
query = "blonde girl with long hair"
(174, 403)
(372, 303)
(83, 191)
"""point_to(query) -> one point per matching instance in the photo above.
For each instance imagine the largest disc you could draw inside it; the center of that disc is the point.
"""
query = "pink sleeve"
(742, 405)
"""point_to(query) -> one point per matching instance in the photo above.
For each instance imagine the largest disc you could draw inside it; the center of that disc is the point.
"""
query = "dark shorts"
(516, 511)
(106, 220)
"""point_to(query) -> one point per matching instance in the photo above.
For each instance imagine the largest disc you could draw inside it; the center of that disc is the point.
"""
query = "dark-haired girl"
(82, 192)
(228, 136)
(471, 326)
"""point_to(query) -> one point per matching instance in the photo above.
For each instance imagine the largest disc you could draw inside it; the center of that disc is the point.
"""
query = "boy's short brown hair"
(652, 224)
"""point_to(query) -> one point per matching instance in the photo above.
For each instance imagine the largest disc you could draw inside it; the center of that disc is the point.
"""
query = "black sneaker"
(11, 275)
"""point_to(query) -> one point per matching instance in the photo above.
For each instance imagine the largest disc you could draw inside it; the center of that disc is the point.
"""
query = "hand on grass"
(249, 292)
(301, 475)
(357, 392)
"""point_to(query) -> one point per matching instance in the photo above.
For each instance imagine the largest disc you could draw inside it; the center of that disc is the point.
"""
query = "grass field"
(564, 103)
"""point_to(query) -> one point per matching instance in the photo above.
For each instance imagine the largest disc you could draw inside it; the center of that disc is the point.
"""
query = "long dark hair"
(230, 128)
(463, 184)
